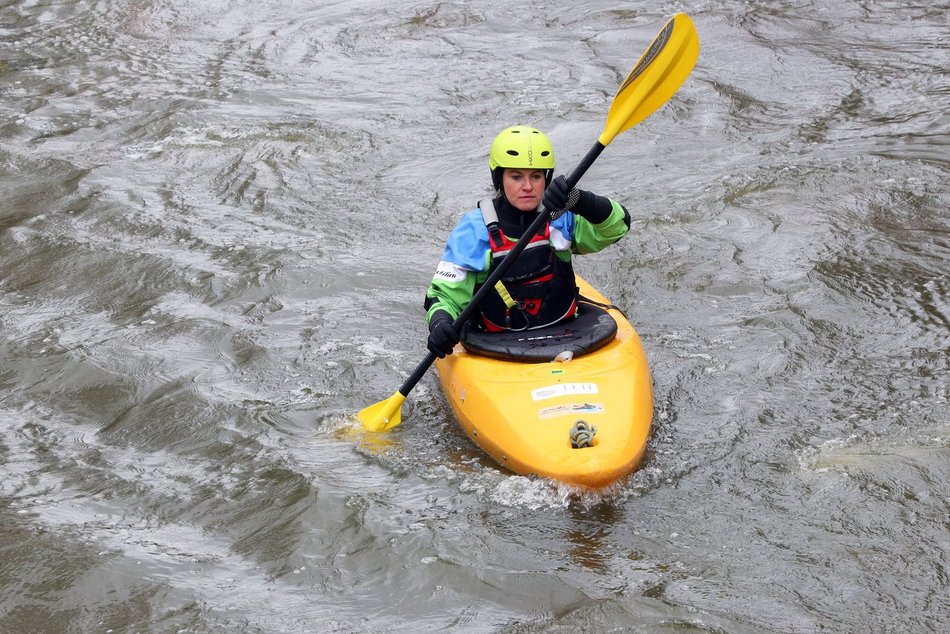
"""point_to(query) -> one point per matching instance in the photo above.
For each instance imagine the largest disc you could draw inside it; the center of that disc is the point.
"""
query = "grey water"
(217, 223)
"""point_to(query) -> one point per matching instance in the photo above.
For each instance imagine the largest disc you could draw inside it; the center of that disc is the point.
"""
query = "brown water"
(218, 220)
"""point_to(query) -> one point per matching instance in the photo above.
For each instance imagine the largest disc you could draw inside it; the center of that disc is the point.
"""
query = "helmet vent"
(512, 153)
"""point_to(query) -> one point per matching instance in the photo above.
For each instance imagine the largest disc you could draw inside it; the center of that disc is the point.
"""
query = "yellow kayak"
(527, 398)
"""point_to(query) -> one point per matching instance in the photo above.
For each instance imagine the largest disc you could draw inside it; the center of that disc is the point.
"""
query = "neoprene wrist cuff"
(437, 316)
(595, 209)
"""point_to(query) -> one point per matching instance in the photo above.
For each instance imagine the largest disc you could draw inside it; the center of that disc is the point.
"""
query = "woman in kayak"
(538, 289)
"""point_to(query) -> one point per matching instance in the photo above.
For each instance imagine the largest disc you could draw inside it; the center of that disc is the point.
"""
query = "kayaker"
(539, 288)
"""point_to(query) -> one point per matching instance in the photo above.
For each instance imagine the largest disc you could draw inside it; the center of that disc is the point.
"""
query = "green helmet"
(520, 147)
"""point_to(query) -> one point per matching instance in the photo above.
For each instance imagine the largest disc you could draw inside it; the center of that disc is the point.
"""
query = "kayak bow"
(522, 413)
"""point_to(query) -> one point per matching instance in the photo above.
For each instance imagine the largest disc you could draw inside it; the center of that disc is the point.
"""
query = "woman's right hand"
(442, 335)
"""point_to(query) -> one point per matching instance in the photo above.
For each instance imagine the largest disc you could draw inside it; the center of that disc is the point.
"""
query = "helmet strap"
(496, 175)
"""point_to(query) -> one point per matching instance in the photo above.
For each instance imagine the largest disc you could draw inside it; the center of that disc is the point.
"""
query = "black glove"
(559, 197)
(442, 336)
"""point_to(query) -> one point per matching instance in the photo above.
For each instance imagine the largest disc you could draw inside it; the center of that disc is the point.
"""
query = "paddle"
(658, 74)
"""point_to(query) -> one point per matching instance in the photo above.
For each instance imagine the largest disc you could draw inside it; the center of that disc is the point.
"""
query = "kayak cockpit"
(592, 329)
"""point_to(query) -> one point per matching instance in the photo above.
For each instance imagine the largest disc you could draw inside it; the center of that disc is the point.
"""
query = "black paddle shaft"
(489, 285)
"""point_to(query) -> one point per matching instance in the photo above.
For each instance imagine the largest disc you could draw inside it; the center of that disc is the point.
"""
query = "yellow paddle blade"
(658, 74)
(383, 415)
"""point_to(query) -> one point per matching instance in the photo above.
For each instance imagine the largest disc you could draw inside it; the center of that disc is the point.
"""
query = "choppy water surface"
(218, 220)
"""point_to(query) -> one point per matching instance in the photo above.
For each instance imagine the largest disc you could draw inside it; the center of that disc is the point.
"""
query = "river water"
(218, 221)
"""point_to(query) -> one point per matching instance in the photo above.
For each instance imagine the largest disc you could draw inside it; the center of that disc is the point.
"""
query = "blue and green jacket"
(467, 258)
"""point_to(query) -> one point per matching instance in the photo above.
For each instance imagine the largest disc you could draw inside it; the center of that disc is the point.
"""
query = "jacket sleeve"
(463, 265)
(590, 237)
(451, 290)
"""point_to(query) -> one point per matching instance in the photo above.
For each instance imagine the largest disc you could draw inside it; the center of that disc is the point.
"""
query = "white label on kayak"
(570, 410)
(563, 389)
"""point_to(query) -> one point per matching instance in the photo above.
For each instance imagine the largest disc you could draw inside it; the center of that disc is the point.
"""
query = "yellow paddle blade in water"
(383, 415)
(659, 73)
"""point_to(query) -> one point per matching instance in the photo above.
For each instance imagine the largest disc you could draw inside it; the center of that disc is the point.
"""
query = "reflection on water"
(218, 225)
(590, 537)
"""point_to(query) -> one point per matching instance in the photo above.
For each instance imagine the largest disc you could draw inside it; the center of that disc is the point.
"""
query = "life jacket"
(537, 290)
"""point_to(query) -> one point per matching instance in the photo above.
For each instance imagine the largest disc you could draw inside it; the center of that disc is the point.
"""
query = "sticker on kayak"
(570, 410)
(563, 389)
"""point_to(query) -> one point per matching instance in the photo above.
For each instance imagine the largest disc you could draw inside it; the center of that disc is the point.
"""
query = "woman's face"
(523, 188)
